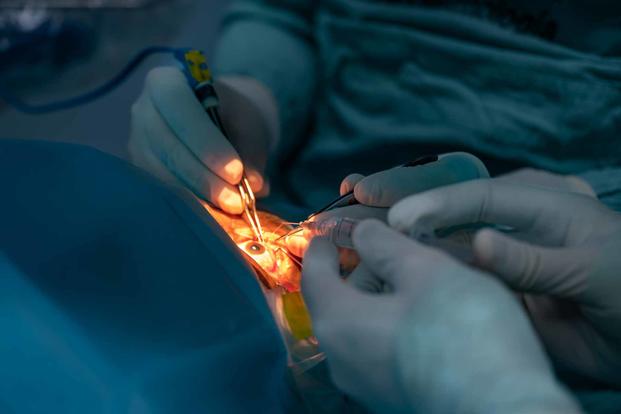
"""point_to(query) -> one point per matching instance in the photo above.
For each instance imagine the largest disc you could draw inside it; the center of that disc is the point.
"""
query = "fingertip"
(349, 182)
(232, 171)
(265, 189)
(465, 166)
(255, 179)
(320, 270)
(401, 216)
(364, 191)
(366, 230)
(230, 201)
(396, 219)
(297, 244)
(486, 247)
(408, 214)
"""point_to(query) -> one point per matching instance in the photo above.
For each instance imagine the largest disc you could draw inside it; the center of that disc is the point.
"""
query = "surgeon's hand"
(381, 190)
(443, 339)
(564, 254)
(548, 181)
(173, 137)
(385, 188)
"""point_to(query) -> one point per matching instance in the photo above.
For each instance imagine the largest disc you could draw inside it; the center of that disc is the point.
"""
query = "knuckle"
(531, 268)
(485, 189)
(465, 166)
(477, 163)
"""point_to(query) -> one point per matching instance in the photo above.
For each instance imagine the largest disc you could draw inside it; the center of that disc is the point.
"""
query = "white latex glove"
(446, 339)
(385, 188)
(381, 190)
(173, 137)
(549, 181)
(565, 252)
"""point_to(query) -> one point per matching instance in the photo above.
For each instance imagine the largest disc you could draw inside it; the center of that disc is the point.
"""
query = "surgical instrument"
(196, 70)
(339, 231)
(349, 199)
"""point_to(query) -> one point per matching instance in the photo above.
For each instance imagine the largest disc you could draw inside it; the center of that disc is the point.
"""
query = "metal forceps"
(198, 74)
(348, 199)
(250, 209)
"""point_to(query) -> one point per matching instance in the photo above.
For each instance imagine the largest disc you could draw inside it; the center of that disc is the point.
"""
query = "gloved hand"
(549, 181)
(381, 190)
(564, 251)
(385, 188)
(444, 339)
(173, 137)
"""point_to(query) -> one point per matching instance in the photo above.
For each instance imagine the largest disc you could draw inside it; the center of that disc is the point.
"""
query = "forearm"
(271, 42)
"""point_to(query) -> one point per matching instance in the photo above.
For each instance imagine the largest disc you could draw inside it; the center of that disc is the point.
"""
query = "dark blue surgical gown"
(118, 295)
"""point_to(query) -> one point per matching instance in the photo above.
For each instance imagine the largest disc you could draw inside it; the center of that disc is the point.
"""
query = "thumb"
(529, 268)
(349, 183)
(322, 286)
(390, 255)
(385, 188)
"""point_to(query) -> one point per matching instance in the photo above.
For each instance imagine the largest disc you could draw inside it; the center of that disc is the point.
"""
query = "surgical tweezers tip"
(250, 210)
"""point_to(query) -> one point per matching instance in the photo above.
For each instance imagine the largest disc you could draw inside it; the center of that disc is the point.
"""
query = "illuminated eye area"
(261, 255)
(279, 272)
(270, 255)
(255, 248)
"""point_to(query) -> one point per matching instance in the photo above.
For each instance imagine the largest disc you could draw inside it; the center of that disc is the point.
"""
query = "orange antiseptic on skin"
(275, 267)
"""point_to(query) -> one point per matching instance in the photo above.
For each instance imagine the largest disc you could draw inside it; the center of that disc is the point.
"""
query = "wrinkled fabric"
(366, 85)
(119, 296)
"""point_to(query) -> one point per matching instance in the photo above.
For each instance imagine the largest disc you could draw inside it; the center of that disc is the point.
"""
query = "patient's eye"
(255, 248)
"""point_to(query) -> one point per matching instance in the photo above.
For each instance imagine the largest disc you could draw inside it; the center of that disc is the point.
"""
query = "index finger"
(393, 257)
(484, 201)
(357, 212)
(175, 101)
(385, 188)
(322, 286)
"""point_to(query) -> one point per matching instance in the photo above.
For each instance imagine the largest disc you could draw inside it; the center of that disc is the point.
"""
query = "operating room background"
(105, 123)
